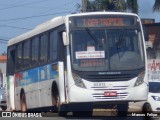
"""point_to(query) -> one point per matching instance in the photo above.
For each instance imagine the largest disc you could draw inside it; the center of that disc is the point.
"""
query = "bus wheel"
(55, 100)
(23, 103)
(4, 108)
(147, 108)
(60, 108)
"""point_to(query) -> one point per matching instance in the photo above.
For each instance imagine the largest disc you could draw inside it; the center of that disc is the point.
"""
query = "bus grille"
(100, 96)
(108, 77)
(113, 88)
(99, 93)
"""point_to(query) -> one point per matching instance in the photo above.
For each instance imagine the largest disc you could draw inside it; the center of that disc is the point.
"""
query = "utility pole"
(84, 5)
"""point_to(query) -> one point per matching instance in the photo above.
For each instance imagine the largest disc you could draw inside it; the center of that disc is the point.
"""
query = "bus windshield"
(107, 49)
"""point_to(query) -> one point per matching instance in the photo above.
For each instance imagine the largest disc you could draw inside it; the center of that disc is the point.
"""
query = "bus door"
(10, 77)
(62, 64)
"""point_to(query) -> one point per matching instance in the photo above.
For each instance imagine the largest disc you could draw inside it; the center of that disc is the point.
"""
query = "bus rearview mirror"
(65, 40)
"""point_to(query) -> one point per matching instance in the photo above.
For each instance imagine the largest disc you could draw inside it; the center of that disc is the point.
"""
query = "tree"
(91, 6)
(132, 5)
(4, 54)
(111, 5)
(99, 5)
(117, 5)
(156, 6)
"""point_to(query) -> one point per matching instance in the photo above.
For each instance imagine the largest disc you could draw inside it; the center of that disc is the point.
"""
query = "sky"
(20, 16)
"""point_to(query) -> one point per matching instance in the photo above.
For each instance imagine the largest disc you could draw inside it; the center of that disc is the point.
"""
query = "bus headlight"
(78, 81)
(140, 79)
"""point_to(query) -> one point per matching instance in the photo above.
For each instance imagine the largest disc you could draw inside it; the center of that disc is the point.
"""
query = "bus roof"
(102, 13)
(56, 22)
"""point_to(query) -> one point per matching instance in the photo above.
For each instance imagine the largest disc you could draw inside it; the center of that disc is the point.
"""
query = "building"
(153, 40)
(147, 21)
(153, 50)
(3, 60)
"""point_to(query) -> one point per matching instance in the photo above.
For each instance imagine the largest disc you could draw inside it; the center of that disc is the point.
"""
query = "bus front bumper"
(77, 94)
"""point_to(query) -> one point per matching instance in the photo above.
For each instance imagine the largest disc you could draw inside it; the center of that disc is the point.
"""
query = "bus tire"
(147, 108)
(23, 103)
(4, 108)
(56, 101)
(55, 94)
(62, 109)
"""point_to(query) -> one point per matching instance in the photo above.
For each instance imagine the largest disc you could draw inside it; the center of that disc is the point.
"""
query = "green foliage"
(132, 5)
(156, 6)
(4, 54)
(111, 5)
(116, 5)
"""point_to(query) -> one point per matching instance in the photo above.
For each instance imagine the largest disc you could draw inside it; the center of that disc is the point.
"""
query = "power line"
(34, 15)
(15, 3)
(21, 18)
(27, 18)
(22, 5)
(3, 40)
(15, 27)
(65, 4)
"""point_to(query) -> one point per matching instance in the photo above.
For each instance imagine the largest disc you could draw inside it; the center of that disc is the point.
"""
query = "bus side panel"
(47, 74)
(37, 84)
(10, 93)
(61, 83)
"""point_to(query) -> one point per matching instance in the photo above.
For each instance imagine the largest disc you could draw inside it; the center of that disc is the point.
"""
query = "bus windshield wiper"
(91, 35)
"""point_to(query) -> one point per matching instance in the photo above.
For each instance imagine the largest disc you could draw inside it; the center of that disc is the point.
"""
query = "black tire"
(4, 108)
(61, 109)
(23, 103)
(147, 108)
(122, 110)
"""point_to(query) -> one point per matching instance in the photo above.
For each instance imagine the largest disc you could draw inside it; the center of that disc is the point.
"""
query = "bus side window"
(35, 51)
(43, 48)
(19, 57)
(53, 37)
(26, 54)
(11, 60)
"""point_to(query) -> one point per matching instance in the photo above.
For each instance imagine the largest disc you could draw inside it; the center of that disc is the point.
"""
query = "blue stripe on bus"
(35, 75)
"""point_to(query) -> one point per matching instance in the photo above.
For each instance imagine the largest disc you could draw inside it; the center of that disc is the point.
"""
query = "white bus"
(79, 62)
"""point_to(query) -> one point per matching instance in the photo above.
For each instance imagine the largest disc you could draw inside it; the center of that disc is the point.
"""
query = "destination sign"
(102, 21)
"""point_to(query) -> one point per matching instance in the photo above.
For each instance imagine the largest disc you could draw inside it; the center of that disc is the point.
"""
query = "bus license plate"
(110, 94)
